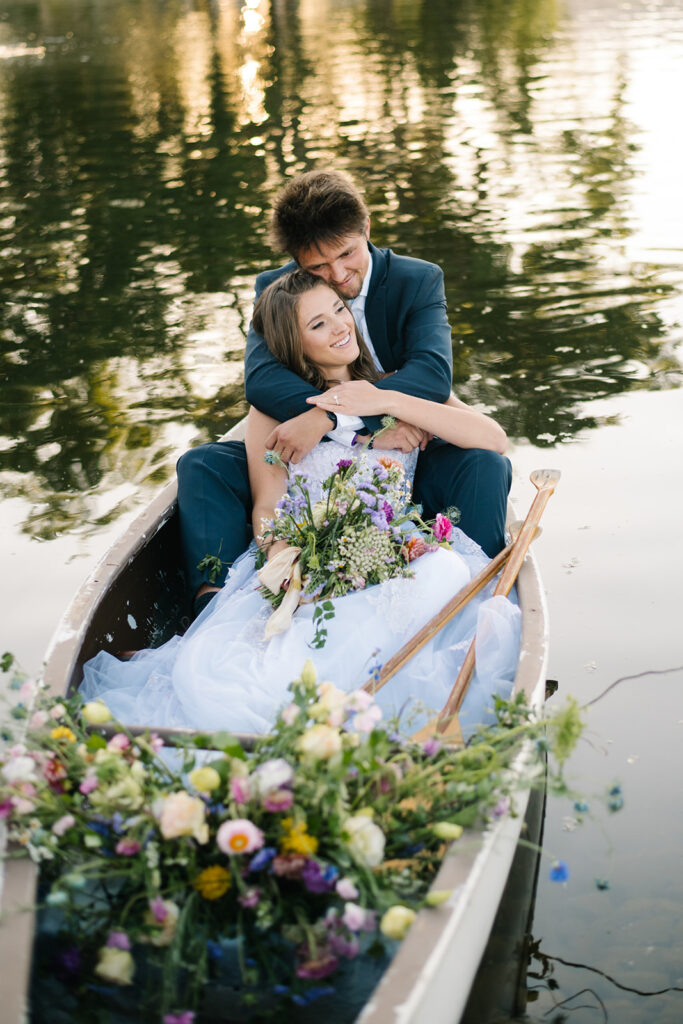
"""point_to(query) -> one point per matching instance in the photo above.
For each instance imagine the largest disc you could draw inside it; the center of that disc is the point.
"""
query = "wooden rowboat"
(134, 598)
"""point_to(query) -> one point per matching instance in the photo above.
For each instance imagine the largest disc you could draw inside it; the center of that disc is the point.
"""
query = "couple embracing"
(341, 337)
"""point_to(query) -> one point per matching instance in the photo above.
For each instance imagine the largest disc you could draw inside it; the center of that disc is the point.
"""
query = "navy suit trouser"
(214, 499)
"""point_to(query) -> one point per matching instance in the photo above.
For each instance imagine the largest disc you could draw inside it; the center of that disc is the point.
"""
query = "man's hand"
(296, 437)
(403, 437)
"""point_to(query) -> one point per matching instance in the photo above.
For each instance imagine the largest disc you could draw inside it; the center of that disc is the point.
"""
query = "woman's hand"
(354, 398)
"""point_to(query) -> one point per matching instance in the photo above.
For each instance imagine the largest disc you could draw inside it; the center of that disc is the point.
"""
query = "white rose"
(320, 742)
(365, 840)
(272, 775)
(115, 965)
(20, 769)
(319, 513)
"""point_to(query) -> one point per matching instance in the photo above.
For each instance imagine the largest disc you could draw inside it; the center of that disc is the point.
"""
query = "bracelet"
(332, 417)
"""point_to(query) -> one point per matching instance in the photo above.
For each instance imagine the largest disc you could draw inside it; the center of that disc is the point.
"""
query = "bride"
(223, 673)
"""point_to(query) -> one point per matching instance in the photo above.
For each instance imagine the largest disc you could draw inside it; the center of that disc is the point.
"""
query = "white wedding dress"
(222, 674)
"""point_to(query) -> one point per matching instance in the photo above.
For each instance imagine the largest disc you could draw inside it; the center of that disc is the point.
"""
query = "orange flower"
(387, 462)
(212, 882)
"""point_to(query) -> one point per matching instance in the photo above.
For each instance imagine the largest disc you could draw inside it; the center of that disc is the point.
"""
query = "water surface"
(529, 147)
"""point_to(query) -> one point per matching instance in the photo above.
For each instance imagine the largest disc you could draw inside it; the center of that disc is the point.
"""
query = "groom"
(399, 305)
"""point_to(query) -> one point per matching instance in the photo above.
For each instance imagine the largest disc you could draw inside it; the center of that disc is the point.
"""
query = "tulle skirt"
(222, 674)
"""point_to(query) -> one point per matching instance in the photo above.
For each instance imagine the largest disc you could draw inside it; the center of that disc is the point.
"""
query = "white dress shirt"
(348, 426)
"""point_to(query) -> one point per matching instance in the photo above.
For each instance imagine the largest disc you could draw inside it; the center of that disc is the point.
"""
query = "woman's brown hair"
(276, 319)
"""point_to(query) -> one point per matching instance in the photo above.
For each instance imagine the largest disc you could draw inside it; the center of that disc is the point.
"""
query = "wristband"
(332, 417)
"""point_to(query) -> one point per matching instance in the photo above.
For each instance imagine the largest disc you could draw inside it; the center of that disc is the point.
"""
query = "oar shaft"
(503, 587)
(438, 621)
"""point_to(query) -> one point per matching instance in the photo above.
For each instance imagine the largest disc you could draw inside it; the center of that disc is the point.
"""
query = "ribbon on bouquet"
(284, 567)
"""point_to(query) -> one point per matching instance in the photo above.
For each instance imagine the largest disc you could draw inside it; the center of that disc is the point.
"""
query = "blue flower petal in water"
(559, 872)
(616, 803)
(602, 884)
(280, 990)
(615, 790)
(581, 807)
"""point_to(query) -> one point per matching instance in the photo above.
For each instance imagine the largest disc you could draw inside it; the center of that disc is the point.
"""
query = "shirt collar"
(363, 293)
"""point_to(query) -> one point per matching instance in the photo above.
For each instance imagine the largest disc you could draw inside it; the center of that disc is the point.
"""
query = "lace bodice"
(322, 460)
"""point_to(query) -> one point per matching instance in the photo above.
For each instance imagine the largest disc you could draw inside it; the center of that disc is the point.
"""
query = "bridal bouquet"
(264, 871)
(360, 532)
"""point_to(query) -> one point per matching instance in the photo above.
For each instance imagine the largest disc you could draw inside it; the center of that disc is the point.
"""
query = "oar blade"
(545, 477)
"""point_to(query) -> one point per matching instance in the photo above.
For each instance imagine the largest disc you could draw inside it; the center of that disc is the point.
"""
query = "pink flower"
(187, 1017)
(159, 909)
(239, 836)
(6, 808)
(27, 690)
(127, 847)
(323, 965)
(156, 742)
(63, 824)
(280, 800)
(57, 712)
(38, 719)
(289, 714)
(22, 806)
(443, 527)
(118, 743)
(118, 940)
(346, 889)
(88, 785)
(240, 790)
(353, 917)
(414, 548)
(431, 746)
(365, 721)
(250, 899)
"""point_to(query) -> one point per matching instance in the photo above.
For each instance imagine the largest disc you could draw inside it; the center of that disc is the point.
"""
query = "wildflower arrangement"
(304, 852)
(362, 531)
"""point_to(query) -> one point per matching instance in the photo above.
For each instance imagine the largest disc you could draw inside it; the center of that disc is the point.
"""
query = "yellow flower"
(319, 743)
(96, 712)
(62, 732)
(396, 921)
(297, 839)
(204, 779)
(212, 882)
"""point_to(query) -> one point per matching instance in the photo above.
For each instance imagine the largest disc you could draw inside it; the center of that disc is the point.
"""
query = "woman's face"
(328, 333)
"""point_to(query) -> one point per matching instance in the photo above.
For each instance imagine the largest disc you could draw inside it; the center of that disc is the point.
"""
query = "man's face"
(343, 263)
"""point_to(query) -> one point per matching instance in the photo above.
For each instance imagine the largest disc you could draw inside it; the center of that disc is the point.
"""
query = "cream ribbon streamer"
(282, 567)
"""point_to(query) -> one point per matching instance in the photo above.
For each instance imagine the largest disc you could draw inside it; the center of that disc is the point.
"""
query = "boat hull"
(134, 598)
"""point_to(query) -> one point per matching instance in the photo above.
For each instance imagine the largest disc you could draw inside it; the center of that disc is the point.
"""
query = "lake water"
(530, 148)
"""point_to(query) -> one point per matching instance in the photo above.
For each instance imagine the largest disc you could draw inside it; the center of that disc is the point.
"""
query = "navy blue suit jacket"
(405, 312)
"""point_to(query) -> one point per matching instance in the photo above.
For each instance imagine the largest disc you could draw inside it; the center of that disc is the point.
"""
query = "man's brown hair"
(318, 206)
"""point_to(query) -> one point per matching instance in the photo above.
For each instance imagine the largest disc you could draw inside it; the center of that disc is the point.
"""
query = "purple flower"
(118, 940)
(388, 511)
(344, 464)
(69, 960)
(316, 879)
(344, 945)
(184, 1017)
(262, 859)
(368, 499)
(431, 747)
(250, 899)
(379, 519)
(559, 872)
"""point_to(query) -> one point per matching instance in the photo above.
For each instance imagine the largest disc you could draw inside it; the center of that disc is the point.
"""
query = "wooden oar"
(544, 480)
(444, 615)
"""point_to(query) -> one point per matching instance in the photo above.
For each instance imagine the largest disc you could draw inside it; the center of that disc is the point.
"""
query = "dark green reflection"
(141, 142)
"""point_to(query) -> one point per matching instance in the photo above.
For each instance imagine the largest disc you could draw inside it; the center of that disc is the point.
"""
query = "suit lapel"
(375, 308)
